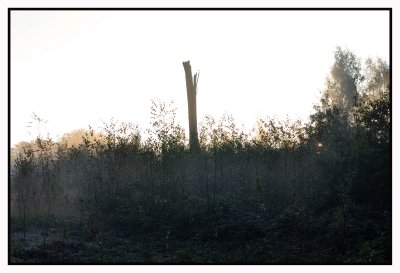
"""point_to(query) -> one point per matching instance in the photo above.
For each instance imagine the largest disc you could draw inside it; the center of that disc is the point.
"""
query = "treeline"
(289, 192)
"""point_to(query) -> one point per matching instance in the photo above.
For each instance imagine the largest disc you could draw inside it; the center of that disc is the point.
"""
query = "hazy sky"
(76, 68)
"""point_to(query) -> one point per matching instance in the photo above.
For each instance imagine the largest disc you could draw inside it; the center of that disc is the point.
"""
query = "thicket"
(288, 192)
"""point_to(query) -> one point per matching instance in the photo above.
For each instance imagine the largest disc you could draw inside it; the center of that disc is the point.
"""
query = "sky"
(79, 68)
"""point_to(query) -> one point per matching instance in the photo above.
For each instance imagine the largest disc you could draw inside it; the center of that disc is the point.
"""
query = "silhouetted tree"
(191, 89)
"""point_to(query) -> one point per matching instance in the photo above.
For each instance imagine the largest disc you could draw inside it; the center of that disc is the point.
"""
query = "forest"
(288, 192)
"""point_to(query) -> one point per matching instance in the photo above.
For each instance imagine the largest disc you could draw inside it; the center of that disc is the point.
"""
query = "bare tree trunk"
(207, 187)
(215, 174)
(294, 173)
(191, 88)
(222, 172)
(24, 219)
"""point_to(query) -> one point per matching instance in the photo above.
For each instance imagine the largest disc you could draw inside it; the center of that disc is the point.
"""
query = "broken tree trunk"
(191, 88)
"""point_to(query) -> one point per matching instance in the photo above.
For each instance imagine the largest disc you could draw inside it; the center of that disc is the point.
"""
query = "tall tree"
(191, 88)
(343, 81)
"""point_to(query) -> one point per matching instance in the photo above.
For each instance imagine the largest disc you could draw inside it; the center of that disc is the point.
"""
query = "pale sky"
(77, 68)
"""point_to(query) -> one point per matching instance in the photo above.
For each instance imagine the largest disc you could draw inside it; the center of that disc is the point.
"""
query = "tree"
(191, 89)
(343, 81)
(24, 172)
(373, 117)
(332, 126)
(377, 79)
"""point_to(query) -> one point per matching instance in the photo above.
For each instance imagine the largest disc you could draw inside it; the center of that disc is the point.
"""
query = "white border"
(5, 4)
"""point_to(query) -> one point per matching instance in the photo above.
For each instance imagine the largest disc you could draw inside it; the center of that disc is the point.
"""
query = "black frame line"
(208, 9)
(181, 9)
